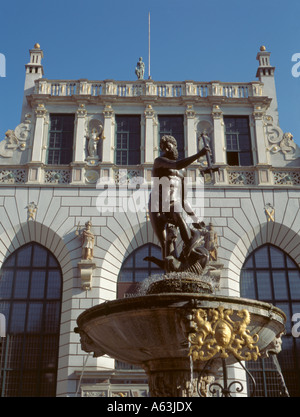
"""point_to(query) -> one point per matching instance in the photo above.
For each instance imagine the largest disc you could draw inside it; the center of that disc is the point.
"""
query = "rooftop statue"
(167, 205)
(140, 69)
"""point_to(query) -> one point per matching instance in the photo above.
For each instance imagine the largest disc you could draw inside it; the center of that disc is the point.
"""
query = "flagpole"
(149, 72)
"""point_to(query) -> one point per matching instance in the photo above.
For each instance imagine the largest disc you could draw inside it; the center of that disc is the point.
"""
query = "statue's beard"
(172, 154)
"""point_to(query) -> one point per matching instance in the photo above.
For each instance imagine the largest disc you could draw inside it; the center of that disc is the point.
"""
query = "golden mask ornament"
(217, 333)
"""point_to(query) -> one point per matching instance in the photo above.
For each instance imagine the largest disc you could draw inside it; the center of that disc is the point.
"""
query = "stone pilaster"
(260, 141)
(108, 142)
(149, 135)
(80, 134)
(191, 139)
(218, 144)
(37, 145)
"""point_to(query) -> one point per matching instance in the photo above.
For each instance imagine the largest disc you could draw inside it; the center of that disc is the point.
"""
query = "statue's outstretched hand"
(204, 150)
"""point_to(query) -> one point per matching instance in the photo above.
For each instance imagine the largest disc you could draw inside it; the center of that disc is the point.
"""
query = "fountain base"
(154, 332)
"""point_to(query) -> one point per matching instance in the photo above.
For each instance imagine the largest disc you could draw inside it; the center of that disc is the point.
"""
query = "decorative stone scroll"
(280, 142)
(16, 139)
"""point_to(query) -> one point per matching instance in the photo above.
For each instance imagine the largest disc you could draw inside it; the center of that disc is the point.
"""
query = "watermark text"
(2, 65)
(296, 67)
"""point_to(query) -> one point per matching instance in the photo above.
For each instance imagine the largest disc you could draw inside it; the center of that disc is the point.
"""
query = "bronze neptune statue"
(166, 206)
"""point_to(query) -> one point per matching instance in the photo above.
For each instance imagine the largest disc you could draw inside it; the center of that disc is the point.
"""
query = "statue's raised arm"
(167, 206)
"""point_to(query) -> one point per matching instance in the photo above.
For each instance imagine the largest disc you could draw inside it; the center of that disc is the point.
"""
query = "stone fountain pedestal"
(173, 335)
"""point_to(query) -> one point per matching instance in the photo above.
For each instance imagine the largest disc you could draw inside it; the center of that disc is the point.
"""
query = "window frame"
(234, 155)
(132, 134)
(36, 337)
(62, 155)
(173, 130)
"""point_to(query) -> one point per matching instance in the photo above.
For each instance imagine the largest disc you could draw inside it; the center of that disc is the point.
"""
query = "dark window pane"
(140, 255)
(277, 258)
(39, 256)
(155, 251)
(232, 158)
(128, 263)
(264, 285)
(18, 316)
(294, 279)
(37, 286)
(53, 316)
(245, 159)
(247, 284)
(141, 275)
(54, 284)
(244, 142)
(125, 276)
(136, 270)
(262, 258)
(290, 263)
(280, 285)
(174, 126)
(6, 281)
(249, 262)
(24, 256)
(128, 140)
(21, 284)
(238, 141)
(52, 261)
(60, 143)
(11, 260)
(34, 319)
(32, 351)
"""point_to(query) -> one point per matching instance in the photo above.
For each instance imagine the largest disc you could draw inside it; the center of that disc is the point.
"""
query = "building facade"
(68, 184)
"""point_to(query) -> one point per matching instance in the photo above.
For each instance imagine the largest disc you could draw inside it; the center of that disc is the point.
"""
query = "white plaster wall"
(237, 214)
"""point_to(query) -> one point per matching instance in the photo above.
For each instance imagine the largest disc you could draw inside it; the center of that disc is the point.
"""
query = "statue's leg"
(197, 223)
(158, 225)
(183, 227)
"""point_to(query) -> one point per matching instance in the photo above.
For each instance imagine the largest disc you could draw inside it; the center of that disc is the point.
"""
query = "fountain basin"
(152, 331)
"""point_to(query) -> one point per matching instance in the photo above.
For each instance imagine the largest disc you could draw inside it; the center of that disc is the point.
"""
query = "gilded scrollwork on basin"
(215, 332)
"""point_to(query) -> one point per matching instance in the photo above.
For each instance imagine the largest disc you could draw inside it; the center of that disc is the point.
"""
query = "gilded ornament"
(270, 212)
(217, 333)
(31, 211)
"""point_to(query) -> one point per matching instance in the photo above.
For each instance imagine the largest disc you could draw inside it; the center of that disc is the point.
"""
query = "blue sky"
(190, 40)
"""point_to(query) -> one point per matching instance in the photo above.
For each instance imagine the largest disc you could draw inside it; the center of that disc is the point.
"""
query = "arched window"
(30, 299)
(270, 275)
(134, 269)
